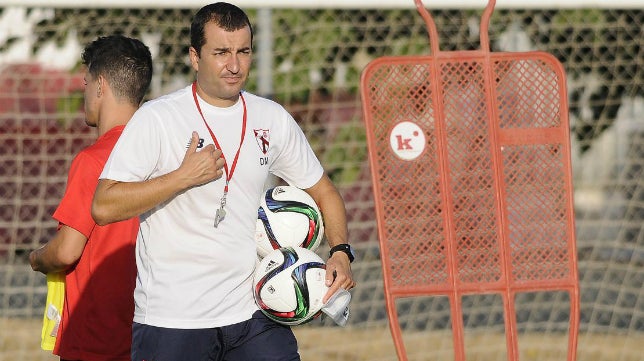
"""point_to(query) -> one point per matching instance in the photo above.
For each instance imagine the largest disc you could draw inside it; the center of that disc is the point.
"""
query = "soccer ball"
(287, 216)
(289, 285)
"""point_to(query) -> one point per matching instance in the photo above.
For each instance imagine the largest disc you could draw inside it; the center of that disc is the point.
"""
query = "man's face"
(223, 65)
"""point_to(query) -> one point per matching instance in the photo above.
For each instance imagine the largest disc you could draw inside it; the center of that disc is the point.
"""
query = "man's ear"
(194, 58)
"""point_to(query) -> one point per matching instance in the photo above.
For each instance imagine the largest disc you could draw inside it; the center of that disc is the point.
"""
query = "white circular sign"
(407, 140)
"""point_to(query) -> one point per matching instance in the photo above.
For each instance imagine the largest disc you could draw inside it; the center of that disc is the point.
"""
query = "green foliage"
(68, 107)
(347, 153)
(590, 17)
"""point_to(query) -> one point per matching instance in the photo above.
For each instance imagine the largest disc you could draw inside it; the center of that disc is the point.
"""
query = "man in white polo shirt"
(190, 165)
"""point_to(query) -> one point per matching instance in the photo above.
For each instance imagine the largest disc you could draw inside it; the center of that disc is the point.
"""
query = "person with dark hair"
(193, 165)
(98, 261)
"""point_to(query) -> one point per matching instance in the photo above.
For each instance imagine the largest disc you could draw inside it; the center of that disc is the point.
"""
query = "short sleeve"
(296, 162)
(136, 153)
(74, 210)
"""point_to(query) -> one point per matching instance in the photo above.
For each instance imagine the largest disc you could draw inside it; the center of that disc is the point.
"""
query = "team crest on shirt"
(262, 137)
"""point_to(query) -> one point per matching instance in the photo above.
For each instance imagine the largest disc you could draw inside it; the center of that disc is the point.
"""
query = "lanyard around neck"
(229, 174)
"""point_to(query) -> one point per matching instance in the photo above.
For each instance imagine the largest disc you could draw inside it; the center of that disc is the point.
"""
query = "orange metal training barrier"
(471, 167)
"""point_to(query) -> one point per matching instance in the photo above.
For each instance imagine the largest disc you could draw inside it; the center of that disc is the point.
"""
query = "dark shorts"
(258, 339)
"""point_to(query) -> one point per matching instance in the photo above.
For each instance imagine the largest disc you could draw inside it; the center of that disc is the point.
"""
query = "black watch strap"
(343, 248)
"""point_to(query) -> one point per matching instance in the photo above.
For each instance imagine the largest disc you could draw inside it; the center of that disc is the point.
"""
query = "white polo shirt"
(191, 274)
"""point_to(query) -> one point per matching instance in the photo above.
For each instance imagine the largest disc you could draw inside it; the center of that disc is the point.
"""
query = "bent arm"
(60, 253)
(116, 201)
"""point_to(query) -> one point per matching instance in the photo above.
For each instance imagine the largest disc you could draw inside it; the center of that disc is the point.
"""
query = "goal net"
(311, 60)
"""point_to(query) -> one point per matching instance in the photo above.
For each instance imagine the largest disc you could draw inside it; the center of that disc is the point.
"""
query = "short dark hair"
(227, 16)
(125, 62)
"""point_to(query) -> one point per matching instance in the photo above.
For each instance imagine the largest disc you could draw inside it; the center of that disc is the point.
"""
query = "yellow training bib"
(53, 309)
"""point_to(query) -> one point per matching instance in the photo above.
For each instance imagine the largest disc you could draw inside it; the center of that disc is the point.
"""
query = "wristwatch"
(343, 248)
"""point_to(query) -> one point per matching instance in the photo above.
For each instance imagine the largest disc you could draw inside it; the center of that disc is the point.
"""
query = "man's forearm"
(332, 207)
(60, 253)
(117, 201)
(38, 260)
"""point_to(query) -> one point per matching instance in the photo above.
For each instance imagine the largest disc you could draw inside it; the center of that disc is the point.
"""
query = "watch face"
(350, 250)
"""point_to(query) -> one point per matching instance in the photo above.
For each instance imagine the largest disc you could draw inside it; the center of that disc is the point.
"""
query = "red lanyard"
(229, 174)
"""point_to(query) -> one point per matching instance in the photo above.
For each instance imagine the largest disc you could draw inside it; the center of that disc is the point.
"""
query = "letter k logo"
(403, 143)
(407, 140)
